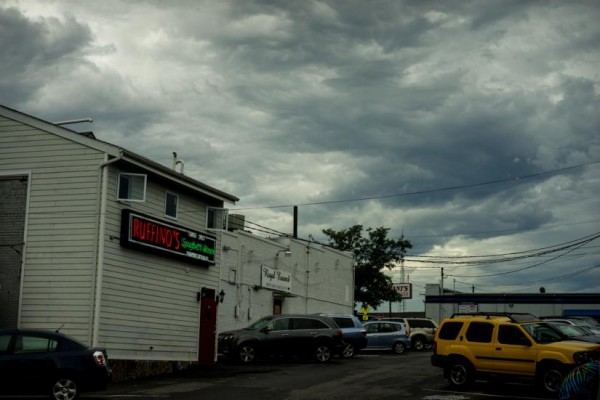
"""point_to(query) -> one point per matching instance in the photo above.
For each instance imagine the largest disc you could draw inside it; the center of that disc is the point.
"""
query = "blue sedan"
(387, 336)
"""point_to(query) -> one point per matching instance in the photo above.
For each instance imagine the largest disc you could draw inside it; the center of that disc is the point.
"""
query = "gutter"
(100, 252)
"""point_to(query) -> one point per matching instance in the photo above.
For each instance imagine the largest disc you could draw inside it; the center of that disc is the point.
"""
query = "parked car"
(354, 334)
(315, 336)
(574, 332)
(387, 335)
(576, 321)
(508, 345)
(421, 331)
(38, 362)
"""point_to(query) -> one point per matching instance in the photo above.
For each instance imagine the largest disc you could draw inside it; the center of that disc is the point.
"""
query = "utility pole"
(441, 292)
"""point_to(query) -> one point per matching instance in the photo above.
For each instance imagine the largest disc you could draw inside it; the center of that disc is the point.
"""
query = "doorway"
(208, 327)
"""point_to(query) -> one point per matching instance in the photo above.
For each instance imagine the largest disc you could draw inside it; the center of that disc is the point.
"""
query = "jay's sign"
(146, 233)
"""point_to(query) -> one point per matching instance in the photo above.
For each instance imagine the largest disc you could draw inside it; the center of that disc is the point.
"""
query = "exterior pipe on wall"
(100, 256)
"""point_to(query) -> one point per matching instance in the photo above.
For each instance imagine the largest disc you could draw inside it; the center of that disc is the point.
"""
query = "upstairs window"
(171, 205)
(131, 187)
(216, 218)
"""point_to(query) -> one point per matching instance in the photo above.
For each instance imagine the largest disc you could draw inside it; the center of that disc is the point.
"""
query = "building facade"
(261, 276)
(122, 252)
(439, 306)
(105, 245)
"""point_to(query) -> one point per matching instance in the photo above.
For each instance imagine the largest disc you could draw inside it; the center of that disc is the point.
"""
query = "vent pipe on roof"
(177, 161)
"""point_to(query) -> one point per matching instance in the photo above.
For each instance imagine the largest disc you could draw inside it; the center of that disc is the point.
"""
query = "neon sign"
(146, 233)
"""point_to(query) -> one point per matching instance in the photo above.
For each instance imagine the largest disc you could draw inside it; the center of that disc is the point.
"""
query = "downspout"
(100, 252)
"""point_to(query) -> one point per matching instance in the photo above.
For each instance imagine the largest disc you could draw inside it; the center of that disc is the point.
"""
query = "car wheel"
(460, 374)
(64, 388)
(247, 353)
(399, 348)
(428, 346)
(323, 353)
(348, 351)
(418, 344)
(550, 378)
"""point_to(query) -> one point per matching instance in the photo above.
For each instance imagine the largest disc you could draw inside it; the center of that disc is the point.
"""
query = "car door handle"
(498, 348)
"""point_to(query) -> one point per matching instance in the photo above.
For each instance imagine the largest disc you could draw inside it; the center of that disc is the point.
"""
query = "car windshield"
(543, 332)
(261, 323)
(570, 330)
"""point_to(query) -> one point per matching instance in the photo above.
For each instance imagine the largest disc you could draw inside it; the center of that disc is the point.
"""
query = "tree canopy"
(373, 251)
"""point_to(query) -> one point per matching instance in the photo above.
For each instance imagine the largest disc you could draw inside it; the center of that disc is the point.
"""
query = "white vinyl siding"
(149, 305)
(62, 223)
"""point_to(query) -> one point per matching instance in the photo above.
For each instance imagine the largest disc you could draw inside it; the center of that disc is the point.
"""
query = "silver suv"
(421, 331)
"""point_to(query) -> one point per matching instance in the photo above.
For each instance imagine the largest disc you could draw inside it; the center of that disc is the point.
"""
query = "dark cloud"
(415, 115)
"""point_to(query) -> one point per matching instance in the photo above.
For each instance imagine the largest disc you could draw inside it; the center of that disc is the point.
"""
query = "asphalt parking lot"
(380, 376)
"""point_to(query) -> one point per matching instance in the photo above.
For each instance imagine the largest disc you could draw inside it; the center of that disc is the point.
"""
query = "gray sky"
(471, 126)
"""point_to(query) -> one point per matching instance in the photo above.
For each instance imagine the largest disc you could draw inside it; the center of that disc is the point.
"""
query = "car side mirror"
(266, 329)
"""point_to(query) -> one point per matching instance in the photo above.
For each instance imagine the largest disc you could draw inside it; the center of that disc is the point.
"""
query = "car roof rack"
(513, 317)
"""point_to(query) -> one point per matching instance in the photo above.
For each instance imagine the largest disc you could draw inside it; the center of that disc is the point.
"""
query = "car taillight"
(364, 333)
(339, 332)
(99, 359)
(434, 347)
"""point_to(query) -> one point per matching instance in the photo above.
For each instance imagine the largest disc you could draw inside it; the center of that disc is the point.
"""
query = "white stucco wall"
(322, 278)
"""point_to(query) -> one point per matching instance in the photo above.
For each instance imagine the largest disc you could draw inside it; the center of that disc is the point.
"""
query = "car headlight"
(583, 357)
(227, 337)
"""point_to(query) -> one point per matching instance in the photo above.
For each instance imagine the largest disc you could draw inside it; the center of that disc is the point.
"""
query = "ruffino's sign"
(149, 234)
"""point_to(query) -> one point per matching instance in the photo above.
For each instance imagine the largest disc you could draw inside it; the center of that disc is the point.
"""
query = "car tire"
(322, 353)
(418, 343)
(550, 378)
(349, 351)
(64, 388)
(460, 374)
(399, 348)
(247, 353)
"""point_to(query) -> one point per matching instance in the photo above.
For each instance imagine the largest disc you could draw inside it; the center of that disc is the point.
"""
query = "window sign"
(150, 234)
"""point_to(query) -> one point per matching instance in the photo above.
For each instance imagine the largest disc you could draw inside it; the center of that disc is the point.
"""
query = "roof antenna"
(60, 327)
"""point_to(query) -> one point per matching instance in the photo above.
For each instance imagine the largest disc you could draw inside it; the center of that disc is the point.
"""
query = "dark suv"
(37, 362)
(283, 335)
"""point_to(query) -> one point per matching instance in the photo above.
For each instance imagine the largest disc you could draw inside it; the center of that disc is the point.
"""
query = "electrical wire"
(515, 179)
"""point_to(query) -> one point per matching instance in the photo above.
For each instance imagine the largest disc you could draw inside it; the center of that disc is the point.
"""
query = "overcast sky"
(470, 126)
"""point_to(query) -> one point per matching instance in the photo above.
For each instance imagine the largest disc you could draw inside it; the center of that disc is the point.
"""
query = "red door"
(208, 327)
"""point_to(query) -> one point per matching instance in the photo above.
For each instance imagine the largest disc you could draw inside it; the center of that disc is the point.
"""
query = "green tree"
(373, 251)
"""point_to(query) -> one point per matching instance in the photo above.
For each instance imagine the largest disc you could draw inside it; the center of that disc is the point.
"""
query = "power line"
(536, 175)
(507, 256)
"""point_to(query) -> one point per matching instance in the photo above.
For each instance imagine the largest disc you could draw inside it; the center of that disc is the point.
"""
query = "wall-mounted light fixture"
(220, 296)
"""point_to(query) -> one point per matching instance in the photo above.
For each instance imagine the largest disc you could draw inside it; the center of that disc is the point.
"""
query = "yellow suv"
(510, 345)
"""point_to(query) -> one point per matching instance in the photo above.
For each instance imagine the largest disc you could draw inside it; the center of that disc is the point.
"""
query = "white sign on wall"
(276, 279)
(405, 289)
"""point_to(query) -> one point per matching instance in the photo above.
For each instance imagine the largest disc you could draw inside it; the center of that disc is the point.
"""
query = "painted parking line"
(450, 395)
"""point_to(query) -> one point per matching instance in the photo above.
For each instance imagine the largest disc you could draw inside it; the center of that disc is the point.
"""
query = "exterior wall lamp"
(220, 296)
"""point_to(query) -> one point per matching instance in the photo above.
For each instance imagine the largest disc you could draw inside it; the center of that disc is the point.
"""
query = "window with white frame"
(131, 187)
(171, 205)
(216, 218)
